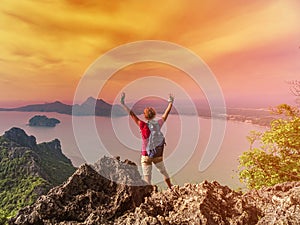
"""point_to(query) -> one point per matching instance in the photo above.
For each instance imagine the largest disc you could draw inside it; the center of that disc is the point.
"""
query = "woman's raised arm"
(167, 111)
(129, 111)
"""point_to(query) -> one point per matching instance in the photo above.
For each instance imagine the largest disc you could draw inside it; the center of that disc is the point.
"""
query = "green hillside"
(28, 170)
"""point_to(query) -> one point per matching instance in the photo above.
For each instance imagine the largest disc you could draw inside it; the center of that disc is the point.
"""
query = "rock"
(89, 197)
(28, 170)
(121, 172)
(43, 121)
(278, 205)
(205, 203)
(112, 192)
(19, 136)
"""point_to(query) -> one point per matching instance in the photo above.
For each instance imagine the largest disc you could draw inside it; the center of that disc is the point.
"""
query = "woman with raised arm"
(153, 140)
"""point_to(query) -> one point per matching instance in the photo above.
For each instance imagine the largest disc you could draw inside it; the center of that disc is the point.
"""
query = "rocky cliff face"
(28, 169)
(44, 159)
(89, 198)
(204, 203)
(214, 204)
(18, 136)
(277, 205)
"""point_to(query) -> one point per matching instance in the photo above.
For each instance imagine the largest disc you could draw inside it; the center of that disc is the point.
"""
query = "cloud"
(214, 29)
(49, 39)
(20, 18)
(22, 52)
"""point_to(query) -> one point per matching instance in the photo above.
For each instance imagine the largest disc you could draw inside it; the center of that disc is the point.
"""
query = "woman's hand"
(171, 98)
(122, 100)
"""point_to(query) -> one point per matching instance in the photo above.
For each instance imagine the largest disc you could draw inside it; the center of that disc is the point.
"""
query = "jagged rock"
(205, 203)
(121, 172)
(88, 197)
(19, 136)
(112, 192)
(279, 204)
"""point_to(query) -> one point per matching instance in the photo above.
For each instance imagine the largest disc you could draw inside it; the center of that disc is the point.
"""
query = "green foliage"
(274, 155)
(17, 187)
(56, 165)
(22, 192)
(27, 173)
(3, 217)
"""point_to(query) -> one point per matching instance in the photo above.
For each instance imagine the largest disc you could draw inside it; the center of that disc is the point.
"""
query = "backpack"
(156, 140)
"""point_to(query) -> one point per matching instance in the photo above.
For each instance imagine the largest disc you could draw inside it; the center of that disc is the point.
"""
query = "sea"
(189, 138)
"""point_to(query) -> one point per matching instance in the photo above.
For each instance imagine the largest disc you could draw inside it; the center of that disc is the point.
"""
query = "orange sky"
(46, 46)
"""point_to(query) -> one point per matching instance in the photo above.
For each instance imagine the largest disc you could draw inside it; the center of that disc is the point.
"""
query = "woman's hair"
(149, 113)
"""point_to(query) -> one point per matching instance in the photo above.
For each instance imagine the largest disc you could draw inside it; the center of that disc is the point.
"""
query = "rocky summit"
(279, 204)
(88, 197)
(213, 204)
(19, 136)
(112, 192)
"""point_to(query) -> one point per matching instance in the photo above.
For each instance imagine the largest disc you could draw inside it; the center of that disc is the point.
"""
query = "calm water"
(186, 136)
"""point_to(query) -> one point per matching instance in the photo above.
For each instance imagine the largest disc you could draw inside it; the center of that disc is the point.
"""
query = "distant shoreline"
(98, 107)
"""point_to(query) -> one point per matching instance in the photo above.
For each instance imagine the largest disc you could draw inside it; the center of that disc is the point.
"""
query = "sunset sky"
(46, 46)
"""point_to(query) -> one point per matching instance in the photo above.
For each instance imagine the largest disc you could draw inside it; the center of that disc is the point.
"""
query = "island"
(43, 121)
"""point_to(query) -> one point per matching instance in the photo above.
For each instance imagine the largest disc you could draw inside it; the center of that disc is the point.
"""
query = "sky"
(47, 46)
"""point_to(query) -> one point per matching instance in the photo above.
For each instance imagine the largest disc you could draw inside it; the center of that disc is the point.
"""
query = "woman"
(146, 161)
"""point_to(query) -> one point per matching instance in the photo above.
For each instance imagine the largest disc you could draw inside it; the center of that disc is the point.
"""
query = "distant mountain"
(47, 107)
(99, 107)
(28, 170)
(96, 107)
(90, 107)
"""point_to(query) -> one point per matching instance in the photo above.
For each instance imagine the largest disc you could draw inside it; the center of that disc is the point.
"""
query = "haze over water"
(222, 168)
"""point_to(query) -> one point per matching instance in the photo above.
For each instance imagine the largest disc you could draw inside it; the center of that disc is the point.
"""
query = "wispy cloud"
(44, 40)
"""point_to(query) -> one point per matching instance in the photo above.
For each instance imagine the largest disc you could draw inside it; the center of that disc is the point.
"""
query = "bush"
(3, 217)
(274, 155)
